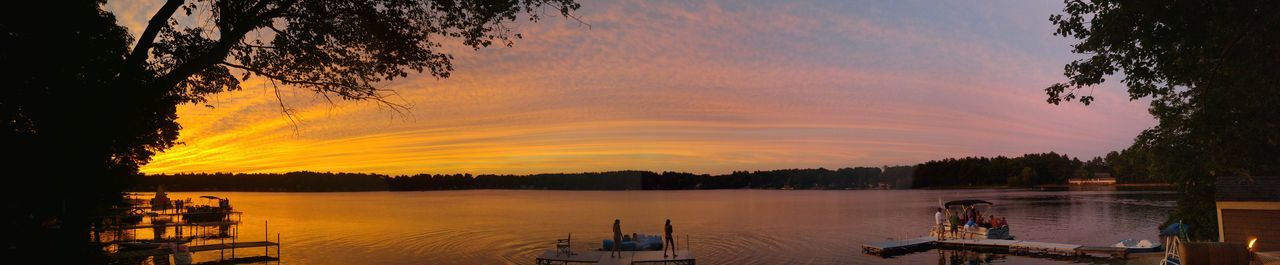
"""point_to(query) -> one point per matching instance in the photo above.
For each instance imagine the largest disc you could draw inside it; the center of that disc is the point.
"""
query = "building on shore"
(1097, 179)
(1249, 209)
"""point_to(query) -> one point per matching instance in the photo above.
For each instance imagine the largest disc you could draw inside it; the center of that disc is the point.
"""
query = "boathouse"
(1097, 179)
(1248, 208)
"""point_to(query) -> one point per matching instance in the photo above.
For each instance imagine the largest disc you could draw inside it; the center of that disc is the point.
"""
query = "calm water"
(723, 227)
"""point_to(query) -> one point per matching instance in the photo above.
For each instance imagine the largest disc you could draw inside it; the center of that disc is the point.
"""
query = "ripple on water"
(727, 226)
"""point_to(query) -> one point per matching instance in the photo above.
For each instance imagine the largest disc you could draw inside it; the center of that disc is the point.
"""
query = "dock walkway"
(193, 249)
(549, 257)
(145, 226)
(890, 248)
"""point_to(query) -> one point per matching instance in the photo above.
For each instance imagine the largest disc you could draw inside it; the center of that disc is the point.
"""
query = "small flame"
(1251, 241)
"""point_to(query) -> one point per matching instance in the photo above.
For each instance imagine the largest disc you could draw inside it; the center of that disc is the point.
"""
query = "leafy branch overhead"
(340, 48)
(1163, 49)
(1210, 71)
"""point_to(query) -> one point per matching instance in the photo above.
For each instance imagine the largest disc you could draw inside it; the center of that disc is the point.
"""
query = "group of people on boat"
(618, 238)
(967, 217)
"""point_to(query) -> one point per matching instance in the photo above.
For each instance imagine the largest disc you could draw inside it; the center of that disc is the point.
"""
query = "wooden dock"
(214, 223)
(683, 257)
(193, 249)
(890, 248)
(240, 260)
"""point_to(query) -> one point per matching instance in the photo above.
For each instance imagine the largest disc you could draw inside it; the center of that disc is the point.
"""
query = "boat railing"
(962, 232)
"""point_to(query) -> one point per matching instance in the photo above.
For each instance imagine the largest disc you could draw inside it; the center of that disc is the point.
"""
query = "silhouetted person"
(617, 238)
(671, 242)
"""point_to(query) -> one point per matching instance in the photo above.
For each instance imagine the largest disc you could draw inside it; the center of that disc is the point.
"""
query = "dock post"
(222, 241)
(278, 245)
(233, 246)
(265, 237)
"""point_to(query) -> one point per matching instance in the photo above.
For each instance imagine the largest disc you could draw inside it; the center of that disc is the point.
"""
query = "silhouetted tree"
(844, 178)
(302, 181)
(900, 176)
(86, 104)
(1026, 170)
(1209, 69)
(1130, 165)
(64, 127)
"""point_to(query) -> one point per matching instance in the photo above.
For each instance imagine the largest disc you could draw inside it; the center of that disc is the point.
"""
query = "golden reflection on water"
(722, 226)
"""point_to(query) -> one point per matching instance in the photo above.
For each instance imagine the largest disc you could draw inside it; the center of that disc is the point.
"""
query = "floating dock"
(683, 257)
(890, 248)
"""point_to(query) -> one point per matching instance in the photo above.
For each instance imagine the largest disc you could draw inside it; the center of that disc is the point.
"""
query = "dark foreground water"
(722, 226)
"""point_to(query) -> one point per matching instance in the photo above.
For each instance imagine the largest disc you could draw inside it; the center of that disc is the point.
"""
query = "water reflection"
(721, 226)
(966, 257)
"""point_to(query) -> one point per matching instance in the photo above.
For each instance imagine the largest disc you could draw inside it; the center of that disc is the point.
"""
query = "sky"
(694, 86)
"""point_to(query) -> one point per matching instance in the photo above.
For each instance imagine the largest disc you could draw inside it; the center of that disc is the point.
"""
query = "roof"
(966, 202)
(1248, 188)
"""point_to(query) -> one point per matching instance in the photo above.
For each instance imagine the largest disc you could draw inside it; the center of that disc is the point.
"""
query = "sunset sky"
(704, 87)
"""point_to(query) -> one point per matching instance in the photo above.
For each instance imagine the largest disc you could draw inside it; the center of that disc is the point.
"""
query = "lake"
(721, 226)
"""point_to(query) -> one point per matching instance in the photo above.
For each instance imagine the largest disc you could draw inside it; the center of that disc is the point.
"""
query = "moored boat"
(978, 228)
(1139, 246)
(208, 212)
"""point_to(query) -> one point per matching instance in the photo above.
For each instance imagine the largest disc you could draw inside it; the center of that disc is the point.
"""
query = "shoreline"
(1159, 186)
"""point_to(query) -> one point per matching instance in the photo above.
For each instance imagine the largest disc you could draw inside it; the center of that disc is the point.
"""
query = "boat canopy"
(1175, 229)
(967, 202)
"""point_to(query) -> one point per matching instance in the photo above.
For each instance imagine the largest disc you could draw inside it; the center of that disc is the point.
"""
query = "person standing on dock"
(617, 238)
(955, 222)
(671, 242)
(938, 219)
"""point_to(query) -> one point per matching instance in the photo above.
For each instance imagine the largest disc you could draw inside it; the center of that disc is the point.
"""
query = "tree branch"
(219, 51)
(158, 21)
(288, 112)
(278, 77)
(325, 87)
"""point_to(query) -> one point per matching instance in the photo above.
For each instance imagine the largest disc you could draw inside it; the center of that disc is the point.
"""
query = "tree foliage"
(1023, 171)
(1210, 71)
(64, 126)
(86, 103)
(821, 178)
(339, 48)
(1131, 165)
(301, 181)
(1026, 170)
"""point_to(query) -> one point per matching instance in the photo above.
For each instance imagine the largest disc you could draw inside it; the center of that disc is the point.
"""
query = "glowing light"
(1251, 241)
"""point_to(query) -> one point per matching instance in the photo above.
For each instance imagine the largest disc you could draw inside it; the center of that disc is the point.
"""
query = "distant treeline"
(1127, 166)
(1029, 169)
(821, 178)
(292, 181)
